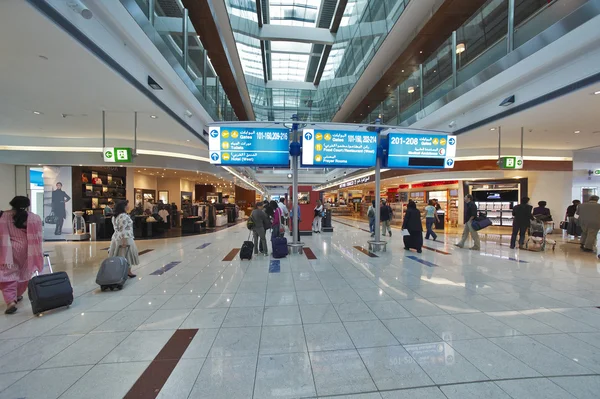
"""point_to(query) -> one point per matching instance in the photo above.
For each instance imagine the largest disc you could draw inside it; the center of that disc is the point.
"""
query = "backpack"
(371, 212)
(250, 223)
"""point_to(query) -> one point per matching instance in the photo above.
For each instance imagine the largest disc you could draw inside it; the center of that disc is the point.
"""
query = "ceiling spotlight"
(153, 116)
(597, 92)
(460, 48)
(421, 52)
(411, 89)
(154, 84)
(402, 71)
(80, 9)
(492, 129)
(36, 112)
(577, 131)
(508, 101)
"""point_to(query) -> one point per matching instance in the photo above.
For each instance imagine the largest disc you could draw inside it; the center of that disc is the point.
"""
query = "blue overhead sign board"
(242, 146)
(338, 148)
(421, 151)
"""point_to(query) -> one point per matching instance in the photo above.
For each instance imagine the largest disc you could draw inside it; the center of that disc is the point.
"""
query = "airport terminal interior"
(253, 199)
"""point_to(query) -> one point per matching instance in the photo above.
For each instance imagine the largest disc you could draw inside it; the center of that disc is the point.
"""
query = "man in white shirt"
(284, 210)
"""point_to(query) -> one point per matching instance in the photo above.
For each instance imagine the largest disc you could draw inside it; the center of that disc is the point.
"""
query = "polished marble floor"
(447, 323)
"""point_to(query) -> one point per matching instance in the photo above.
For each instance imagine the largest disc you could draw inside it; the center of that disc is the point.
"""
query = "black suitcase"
(247, 250)
(49, 291)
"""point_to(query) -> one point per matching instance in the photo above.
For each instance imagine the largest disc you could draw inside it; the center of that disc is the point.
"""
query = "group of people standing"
(583, 219)
(267, 216)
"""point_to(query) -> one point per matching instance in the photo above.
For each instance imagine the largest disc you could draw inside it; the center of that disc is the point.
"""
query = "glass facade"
(480, 42)
(280, 71)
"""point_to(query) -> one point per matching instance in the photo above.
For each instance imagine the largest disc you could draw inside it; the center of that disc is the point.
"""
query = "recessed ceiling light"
(577, 131)
(403, 71)
(597, 92)
(188, 141)
(492, 129)
(421, 52)
(37, 112)
(153, 116)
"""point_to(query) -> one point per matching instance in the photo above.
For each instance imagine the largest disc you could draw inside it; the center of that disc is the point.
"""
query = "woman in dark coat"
(412, 223)
(59, 199)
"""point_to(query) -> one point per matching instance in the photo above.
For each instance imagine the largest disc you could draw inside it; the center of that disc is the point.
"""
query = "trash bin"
(92, 231)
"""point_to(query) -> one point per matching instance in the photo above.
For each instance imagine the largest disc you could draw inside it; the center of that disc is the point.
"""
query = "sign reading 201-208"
(242, 146)
(421, 151)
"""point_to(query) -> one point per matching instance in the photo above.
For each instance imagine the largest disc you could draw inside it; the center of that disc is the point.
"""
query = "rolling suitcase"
(49, 291)
(113, 272)
(247, 250)
(280, 247)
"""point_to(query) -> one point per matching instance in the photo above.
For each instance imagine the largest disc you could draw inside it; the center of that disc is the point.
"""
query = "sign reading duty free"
(117, 155)
(242, 146)
(338, 148)
(421, 151)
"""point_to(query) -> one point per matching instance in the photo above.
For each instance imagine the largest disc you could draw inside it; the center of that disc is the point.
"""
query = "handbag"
(51, 218)
(564, 225)
(481, 224)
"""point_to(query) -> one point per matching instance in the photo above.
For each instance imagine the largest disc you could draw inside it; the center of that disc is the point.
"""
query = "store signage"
(243, 146)
(435, 183)
(511, 163)
(356, 182)
(421, 151)
(118, 155)
(597, 172)
(339, 148)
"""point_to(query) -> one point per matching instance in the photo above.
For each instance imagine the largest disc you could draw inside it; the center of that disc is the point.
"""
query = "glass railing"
(166, 28)
(480, 42)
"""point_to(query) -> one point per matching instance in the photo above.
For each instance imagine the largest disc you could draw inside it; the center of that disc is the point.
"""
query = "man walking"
(470, 215)
(385, 214)
(589, 219)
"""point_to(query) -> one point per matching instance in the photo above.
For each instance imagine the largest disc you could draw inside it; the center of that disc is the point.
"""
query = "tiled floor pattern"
(475, 325)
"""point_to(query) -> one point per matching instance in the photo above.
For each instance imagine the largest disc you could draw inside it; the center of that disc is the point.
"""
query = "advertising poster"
(58, 207)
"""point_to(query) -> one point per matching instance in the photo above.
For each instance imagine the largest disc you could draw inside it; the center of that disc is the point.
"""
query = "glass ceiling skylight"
(294, 12)
(289, 67)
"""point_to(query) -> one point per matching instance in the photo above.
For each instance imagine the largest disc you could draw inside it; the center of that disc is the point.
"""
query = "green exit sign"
(118, 155)
(597, 172)
(511, 163)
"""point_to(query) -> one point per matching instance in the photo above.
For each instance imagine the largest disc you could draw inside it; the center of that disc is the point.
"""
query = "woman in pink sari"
(20, 251)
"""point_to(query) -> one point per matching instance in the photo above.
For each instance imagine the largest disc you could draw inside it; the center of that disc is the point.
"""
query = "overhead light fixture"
(508, 101)
(492, 129)
(577, 131)
(154, 84)
(460, 48)
(597, 92)
(188, 113)
(411, 89)
(80, 9)
(36, 112)
(402, 71)
(421, 52)
(153, 116)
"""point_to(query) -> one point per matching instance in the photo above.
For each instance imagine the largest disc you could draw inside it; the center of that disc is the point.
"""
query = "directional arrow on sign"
(214, 134)
(214, 156)
(452, 141)
(308, 136)
(450, 162)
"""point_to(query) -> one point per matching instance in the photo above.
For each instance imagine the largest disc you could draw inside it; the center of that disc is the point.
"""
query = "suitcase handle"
(127, 248)
(46, 256)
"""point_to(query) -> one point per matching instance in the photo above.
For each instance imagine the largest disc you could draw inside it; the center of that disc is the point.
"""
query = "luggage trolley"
(538, 232)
